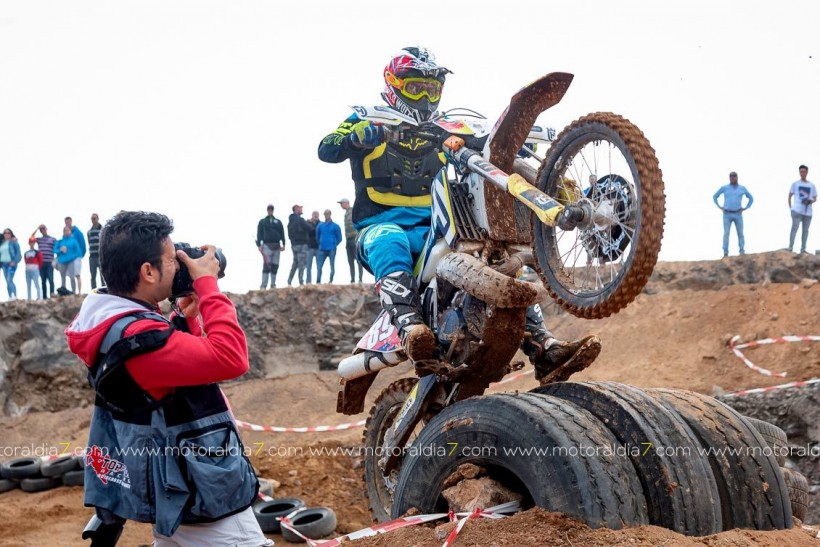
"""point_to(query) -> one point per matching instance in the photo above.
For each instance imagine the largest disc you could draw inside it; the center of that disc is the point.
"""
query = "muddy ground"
(669, 338)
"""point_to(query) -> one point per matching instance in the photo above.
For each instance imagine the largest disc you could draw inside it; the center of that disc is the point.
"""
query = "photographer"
(805, 193)
(163, 447)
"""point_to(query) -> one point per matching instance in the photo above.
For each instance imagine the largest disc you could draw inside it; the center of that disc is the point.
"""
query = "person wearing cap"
(45, 245)
(733, 211)
(34, 261)
(298, 231)
(350, 238)
(270, 239)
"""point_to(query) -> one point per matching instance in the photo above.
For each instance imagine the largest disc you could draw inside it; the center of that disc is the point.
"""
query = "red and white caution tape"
(309, 429)
(781, 340)
(492, 513)
(773, 388)
(513, 378)
(384, 527)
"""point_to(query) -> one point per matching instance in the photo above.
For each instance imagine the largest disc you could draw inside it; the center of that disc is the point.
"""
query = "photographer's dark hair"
(802, 167)
(128, 240)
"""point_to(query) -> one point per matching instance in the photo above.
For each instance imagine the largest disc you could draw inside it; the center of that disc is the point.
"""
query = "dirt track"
(671, 339)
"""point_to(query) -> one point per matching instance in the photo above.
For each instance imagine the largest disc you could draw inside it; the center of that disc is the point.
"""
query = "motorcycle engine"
(459, 326)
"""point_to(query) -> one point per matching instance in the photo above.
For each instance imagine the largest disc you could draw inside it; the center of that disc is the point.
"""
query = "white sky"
(207, 111)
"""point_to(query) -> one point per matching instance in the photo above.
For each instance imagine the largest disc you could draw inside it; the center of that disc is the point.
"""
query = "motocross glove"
(366, 135)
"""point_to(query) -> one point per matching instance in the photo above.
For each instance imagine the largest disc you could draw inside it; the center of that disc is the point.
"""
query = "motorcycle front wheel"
(595, 271)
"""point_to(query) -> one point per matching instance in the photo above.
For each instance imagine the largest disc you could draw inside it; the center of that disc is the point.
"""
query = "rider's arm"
(188, 360)
(336, 147)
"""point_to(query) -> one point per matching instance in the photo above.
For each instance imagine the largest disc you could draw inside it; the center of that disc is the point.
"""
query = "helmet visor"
(416, 88)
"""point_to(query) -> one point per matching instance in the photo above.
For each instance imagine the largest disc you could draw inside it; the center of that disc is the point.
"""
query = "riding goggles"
(415, 88)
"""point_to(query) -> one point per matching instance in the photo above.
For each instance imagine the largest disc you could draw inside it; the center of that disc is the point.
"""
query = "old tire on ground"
(798, 487)
(75, 477)
(499, 433)
(58, 467)
(267, 512)
(642, 223)
(20, 468)
(752, 493)
(8, 484)
(314, 523)
(40, 484)
(382, 416)
(680, 488)
(774, 436)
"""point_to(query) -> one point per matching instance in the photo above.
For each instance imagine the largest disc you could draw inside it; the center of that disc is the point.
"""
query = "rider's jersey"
(392, 180)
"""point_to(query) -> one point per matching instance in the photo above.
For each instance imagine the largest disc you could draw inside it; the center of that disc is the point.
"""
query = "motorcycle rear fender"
(382, 337)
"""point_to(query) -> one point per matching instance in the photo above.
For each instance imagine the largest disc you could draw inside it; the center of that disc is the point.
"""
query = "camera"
(807, 201)
(183, 284)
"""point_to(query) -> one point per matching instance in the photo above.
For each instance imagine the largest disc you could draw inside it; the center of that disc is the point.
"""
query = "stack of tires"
(611, 455)
(35, 475)
(313, 522)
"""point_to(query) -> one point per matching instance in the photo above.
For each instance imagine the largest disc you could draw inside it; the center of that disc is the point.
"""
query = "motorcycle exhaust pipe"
(367, 362)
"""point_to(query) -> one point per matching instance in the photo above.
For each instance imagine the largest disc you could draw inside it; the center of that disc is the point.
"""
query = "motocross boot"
(399, 295)
(556, 360)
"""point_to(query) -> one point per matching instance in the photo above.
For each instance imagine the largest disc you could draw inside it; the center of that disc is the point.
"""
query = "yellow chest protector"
(400, 174)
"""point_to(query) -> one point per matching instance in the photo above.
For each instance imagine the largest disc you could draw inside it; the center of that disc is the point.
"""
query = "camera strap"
(116, 390)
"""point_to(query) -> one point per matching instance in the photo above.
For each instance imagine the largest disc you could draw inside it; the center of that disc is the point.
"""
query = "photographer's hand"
(202, 266)
(189, 305)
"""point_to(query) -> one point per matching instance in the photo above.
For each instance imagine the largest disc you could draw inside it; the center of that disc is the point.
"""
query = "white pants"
(239, 530)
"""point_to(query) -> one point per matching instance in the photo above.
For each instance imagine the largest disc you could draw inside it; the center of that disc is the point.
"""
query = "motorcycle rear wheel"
(595, 272)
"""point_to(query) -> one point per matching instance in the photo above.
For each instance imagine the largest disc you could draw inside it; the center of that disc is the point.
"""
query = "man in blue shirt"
(328, 235)
(733, 211)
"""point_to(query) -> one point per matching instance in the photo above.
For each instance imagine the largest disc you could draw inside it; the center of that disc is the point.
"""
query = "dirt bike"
(588, 217)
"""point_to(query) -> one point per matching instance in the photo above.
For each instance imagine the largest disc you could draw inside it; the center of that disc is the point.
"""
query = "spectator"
(78, 261)
(313, 245)
(350, 240)
(155, 386)
(9, 259)
(329, 235)
(45, 245)
(93, 235)
(67, 252)
(298, 230)
(34, 261)
(733, 211)
(270, 239)
(801, 209)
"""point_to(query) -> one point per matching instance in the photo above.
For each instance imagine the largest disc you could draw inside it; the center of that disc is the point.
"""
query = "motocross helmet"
(414, 82)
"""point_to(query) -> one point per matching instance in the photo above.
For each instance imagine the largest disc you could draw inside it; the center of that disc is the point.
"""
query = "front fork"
(547, 209)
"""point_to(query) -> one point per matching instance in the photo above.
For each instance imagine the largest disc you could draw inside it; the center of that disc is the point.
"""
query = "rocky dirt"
(674, 335)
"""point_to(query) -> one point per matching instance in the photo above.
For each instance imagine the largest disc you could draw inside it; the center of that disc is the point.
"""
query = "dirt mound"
(674, 335)
(539, 527)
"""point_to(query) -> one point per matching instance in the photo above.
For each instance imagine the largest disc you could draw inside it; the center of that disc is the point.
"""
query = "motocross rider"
(392, 211)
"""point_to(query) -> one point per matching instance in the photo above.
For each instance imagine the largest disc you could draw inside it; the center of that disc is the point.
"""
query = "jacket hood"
(97, 313)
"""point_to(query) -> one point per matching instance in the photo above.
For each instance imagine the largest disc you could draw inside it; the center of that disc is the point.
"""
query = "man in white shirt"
(805, 194)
